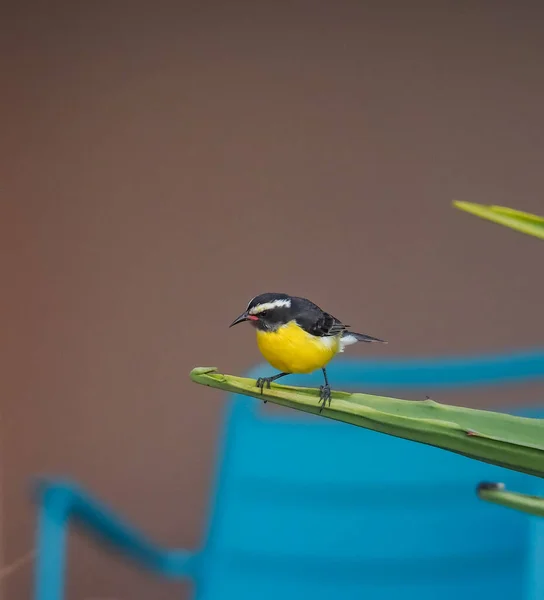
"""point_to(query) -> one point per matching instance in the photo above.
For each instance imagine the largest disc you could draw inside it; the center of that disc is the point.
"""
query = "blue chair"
(306, 507)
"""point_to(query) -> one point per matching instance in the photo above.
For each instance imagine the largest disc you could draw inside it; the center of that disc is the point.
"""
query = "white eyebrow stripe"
(269, 306)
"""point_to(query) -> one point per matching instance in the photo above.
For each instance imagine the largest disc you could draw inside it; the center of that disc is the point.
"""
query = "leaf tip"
(199, 371)
(489, 486)
(463, 204)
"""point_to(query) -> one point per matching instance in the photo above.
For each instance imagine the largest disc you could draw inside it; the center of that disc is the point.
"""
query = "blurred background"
(164, 162)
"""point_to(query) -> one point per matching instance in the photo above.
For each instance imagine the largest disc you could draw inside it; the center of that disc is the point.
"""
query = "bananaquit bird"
(295, 336)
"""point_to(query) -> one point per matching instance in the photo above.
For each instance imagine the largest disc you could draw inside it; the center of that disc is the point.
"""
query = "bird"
(296, 336)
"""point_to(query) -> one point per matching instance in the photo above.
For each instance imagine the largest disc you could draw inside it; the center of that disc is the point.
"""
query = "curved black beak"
(243, 317)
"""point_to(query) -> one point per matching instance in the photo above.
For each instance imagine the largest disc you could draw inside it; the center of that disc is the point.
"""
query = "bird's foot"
(262, 381)
(324, 396)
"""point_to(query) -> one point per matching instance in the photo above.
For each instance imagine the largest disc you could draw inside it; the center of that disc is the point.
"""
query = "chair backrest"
(306, 507)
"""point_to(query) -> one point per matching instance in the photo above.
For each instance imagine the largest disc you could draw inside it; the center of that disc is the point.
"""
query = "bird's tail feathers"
(349, 338)
(361, 337)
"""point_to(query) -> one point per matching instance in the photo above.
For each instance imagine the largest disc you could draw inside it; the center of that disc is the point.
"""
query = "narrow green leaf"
(509, 217)
(513, 442)
(495, 493)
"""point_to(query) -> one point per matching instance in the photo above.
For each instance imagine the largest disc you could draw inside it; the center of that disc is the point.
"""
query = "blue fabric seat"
(306, 507)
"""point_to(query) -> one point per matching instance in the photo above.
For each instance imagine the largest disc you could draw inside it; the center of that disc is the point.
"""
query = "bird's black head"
(268, 311)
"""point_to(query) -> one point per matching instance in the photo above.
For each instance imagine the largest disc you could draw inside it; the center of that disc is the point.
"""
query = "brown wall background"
(164, 162)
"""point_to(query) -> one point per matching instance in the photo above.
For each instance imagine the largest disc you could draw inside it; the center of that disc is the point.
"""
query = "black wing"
(316, 321)
(326, 324)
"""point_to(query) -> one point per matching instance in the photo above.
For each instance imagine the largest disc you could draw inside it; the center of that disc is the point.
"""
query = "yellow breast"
(291, 350)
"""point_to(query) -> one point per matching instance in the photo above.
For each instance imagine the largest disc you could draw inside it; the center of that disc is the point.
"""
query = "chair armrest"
(461, 371)
(62, 503)
(534, 578)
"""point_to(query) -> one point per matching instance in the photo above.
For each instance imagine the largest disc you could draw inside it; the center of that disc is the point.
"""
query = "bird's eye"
(263, 313)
